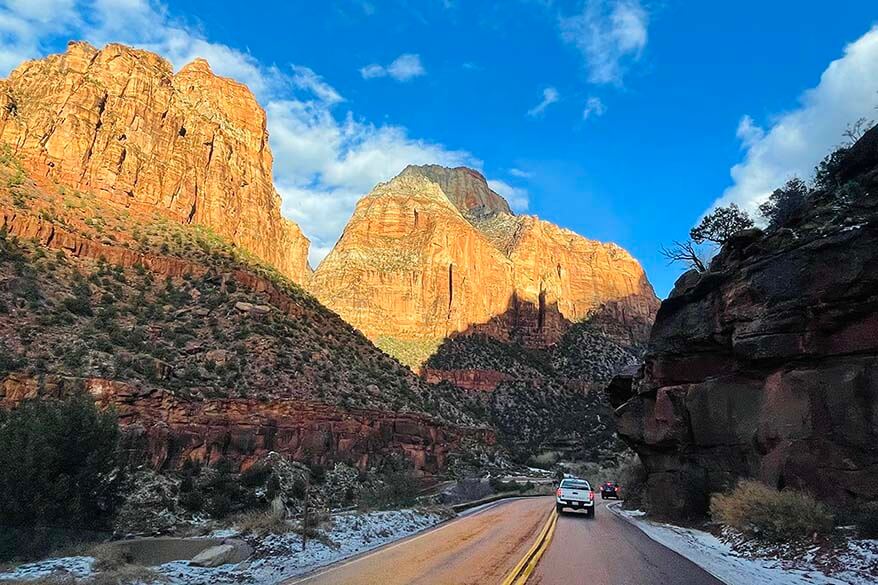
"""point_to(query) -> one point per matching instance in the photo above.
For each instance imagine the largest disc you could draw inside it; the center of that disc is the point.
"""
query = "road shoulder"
(727, 565)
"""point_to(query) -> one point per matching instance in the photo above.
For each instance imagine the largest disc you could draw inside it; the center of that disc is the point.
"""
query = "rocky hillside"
(766, 365)
(546, 404)
(120, 124)
(434, 252)
(206, 353)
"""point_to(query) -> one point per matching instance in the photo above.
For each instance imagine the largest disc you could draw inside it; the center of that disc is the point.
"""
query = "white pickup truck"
(575, 494)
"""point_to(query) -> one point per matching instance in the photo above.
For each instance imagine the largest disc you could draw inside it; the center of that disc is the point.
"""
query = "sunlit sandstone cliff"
(120, 123)
(435, 252)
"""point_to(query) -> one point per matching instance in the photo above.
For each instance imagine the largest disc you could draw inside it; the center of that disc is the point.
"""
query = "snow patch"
(859, 563)
(78, 567)
(276, 557)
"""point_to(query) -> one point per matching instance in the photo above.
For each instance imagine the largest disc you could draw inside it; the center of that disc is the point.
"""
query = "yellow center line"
(522, 571)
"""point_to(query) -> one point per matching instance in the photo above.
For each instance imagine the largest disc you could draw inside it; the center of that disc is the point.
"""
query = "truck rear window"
(575, 484)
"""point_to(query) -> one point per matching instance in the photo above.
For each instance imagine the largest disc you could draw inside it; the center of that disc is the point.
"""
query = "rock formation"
(203, 354)
(192, 146)
(435, 252)
(766, 365)
(165, 431)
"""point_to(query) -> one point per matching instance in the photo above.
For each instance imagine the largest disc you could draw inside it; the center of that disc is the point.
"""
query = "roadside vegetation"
(783, 209)
(760, 511)
(60, 475)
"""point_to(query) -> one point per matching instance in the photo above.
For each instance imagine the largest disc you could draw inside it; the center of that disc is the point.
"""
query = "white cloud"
(305, 78)
(520, 173)
(797, 140)
(593, 107)
(372, 71)
(550, 96)
(24, 23)
(403, 68)
(609, 34)
(515, 196)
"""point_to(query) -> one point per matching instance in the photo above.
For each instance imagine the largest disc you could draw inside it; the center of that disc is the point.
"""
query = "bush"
(256, 475)
(500, 486)
(127, 575)
(109, 558)
(632, 477)
(262, 523)
(58, 466)
(785, 203)
(396, 487)
(760, 511)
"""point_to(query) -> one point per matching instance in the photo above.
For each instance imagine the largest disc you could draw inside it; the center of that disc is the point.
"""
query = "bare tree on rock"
(685, 252)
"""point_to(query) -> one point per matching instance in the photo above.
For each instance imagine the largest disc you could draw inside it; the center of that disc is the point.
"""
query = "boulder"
(230, 551)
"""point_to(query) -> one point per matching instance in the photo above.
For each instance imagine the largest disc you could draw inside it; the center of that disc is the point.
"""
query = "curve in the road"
(484, 546)
(479, 548)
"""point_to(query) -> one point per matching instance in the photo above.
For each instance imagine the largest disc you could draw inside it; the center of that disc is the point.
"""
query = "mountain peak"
(192, 147)
(466, 188)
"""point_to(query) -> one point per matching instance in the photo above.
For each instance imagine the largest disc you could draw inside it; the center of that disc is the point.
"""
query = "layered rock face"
(410, 266)
(766, 365)
(435, 252)
(165, 431)
(205, 355)
(120, 123)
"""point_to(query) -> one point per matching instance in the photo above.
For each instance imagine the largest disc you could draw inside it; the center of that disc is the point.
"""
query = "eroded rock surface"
(190, 145)
(166, 431)
(435, 252)
(766, 365)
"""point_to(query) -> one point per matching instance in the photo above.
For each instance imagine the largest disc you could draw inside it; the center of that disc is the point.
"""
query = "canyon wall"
(766, 365)
(434, 252)
(166, 431)
(190, 146)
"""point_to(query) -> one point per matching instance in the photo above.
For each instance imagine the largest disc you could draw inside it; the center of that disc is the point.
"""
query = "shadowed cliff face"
(119, 123)
(766, 365)
(434, 253)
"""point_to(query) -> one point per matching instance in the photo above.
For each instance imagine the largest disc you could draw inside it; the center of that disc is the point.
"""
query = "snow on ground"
(276, 557)
(78, 567)
(858, 565)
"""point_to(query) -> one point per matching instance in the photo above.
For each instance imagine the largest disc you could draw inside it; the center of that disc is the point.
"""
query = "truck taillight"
(590, 496)
(558, 492)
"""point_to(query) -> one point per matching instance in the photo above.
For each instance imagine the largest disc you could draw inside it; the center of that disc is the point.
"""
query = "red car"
(610, 489)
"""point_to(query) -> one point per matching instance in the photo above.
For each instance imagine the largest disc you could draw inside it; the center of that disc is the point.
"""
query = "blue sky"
(621, 120)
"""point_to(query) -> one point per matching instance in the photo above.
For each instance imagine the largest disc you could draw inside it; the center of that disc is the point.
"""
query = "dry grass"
(108, 557)
(766, 513)
(126, 575)
(265, 522)
(50, 580)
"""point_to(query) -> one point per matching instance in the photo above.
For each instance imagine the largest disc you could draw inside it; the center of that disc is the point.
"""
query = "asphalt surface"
(607, 550)
(478, 549)
(483, 547)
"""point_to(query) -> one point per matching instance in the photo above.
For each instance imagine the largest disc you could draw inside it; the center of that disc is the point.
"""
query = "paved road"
(483, 547)
(607, 550)
(478, 549)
